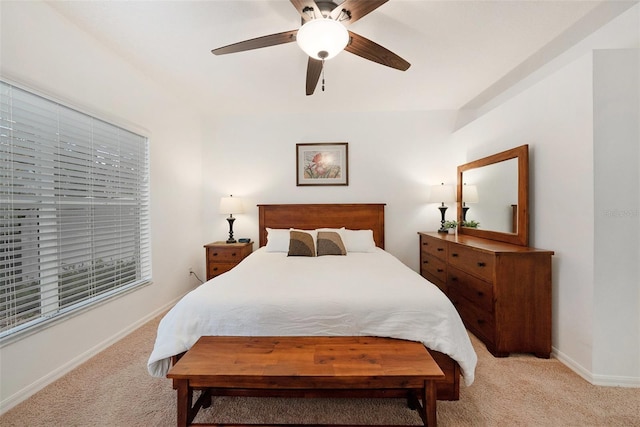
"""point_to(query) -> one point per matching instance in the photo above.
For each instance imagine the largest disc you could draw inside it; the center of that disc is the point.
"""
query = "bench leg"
(429, 403)
(184, 402)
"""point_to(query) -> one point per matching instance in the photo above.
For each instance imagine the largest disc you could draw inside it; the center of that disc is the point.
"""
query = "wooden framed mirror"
(494, 193)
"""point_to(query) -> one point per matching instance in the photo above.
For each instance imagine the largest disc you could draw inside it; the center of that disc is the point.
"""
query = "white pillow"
(277, 240)
(359, 241)
(340, 231)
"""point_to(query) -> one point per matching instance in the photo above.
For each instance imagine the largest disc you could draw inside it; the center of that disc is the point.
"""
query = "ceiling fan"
(323, 35)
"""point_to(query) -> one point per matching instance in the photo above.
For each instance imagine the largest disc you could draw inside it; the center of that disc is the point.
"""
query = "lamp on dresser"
(231, 205)
(442, 194)
(469, 195)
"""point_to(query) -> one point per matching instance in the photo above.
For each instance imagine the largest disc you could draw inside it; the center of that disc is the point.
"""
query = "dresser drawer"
(478, 292)
(434, 267)
(232, 254)
(434, 247)
(478, 321)
(472, 261)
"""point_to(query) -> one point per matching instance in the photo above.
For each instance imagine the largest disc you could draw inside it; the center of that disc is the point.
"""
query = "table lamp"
(230, 205)
(442, 194)
(469, 195)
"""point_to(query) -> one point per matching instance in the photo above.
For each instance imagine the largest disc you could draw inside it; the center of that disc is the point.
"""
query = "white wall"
(617, 212)
(393, 158)
(575, 177)
(44, 52)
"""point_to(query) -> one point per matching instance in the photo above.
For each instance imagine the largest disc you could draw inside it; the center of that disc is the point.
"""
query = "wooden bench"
(306, 366)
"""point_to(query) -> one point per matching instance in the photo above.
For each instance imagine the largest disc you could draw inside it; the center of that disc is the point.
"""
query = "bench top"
(306, 362)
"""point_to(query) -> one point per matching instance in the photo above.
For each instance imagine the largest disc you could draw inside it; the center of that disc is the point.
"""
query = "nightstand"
(222, 257)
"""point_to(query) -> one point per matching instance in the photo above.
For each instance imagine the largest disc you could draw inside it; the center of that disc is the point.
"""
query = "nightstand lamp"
(231, 205)
(442, 194)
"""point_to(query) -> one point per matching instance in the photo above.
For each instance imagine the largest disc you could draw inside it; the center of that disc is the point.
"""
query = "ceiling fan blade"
(314, 69)
(302, 6)
(372, 51)
(356, 9)
(257, 43)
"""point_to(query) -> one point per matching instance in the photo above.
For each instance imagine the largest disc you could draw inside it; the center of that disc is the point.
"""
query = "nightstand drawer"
(472, 261)
(434, 247)
(216, 269)
(224, 254)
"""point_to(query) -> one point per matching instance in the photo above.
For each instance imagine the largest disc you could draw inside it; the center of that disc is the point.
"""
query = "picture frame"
(322, 163)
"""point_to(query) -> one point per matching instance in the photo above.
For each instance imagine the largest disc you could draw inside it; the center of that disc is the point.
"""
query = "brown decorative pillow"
(330, 243)
(301, 244)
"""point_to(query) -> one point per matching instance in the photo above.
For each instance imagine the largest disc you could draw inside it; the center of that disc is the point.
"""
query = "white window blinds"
(75, 210)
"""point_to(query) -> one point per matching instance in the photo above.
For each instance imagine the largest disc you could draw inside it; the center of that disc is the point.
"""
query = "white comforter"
(358, 294)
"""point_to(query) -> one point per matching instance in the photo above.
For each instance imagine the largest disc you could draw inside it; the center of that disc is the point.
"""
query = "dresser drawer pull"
(215, 268)
(425, 244)
(439, 270)
(454, 279)
(454, 255)
(482, 264)
(480, 293)
(234, 254)
(215, 254)
(481, 321)
(440, 249)
(425, 262)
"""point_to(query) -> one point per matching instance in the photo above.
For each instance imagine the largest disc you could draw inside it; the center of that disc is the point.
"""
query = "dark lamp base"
(231, 239)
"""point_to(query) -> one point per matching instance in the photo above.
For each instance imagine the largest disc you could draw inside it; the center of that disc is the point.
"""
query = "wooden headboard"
(368, 216)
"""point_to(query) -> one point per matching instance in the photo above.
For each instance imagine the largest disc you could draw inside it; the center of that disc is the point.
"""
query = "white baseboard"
(52, 376)
(595, 379)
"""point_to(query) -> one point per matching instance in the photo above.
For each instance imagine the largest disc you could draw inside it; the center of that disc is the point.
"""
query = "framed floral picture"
(322, 164)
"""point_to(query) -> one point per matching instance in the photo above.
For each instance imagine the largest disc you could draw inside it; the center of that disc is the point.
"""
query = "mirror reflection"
(501, 209)
(490, 197)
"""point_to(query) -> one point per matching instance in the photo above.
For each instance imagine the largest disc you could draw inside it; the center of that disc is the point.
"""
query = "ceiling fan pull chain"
(323, 75)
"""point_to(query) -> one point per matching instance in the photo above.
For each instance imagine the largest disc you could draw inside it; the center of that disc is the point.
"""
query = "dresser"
(502, 291)
(222, 257)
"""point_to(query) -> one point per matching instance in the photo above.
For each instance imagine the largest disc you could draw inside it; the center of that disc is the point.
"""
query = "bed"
(365, 292)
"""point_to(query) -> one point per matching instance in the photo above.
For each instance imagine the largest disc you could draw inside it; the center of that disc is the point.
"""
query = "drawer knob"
(481, 321)
(215, 254)
(482, 264)
(440, 270)
(454, 279)
(215, 268)
(480, 293)
(233, 254)
(440, 249)
(454, 255)
(425, 244)
(425, 262)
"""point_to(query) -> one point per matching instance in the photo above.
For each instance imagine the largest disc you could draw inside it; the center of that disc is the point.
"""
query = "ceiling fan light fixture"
(322, 38)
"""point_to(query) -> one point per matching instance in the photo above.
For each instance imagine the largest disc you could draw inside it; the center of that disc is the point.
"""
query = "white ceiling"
(456, 49)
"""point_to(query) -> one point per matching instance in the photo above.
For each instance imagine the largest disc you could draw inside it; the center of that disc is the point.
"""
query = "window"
(74, 215)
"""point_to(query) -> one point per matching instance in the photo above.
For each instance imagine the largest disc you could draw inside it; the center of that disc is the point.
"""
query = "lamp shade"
(322, 38)
(442, 194)
(231, 205)
(470, 194)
